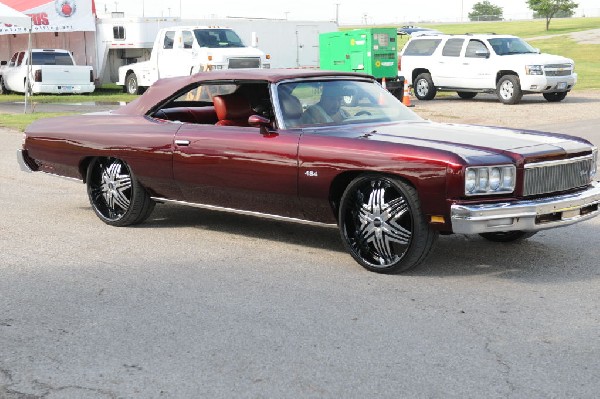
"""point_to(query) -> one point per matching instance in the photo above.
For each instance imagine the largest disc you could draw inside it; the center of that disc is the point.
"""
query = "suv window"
(422, 46)
(453, 47)
(473, 47)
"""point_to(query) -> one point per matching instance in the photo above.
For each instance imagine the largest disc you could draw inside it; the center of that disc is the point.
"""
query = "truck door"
(450, 65)
(183, 59)
(166, 62)
(478, 71)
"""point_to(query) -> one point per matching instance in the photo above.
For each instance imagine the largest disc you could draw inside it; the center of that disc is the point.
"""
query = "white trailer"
(290, 44)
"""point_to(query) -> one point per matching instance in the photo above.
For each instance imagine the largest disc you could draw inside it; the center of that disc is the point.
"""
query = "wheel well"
(417, 71)
(83, 167)
(341, 181)
(500, 74)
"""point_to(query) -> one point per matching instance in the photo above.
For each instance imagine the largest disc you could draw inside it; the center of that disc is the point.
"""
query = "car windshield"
(510, 46)
(218, 38)
(338, 102)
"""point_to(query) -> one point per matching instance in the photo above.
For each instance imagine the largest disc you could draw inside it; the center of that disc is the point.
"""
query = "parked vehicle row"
(50, 71)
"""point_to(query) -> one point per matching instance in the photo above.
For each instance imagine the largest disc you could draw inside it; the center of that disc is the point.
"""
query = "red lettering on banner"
(40, 18)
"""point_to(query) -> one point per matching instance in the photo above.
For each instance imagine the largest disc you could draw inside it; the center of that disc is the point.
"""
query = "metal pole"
(27, 77)
(337, 13)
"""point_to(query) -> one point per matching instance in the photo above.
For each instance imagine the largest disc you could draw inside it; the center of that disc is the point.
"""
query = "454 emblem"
(65, 8)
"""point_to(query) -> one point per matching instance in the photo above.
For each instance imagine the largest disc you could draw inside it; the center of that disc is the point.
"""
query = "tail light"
(37, 77)
(91, 76)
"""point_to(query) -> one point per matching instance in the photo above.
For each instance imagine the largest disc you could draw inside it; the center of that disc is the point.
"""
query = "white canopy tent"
(11, 16)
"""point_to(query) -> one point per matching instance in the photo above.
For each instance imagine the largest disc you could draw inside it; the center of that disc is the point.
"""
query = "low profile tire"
(382, 226)
(508, 89)
(116, 196)
(555, 97)
(466, 95)
(508, 236)
(131, 84)
(424, 88)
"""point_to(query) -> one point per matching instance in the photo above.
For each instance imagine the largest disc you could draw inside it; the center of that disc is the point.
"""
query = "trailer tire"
(131, 84)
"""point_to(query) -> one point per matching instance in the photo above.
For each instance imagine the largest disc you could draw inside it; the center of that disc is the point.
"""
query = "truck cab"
(180, 51)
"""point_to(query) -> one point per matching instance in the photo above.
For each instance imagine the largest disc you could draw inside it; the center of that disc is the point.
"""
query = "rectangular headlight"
(534, 69)
(489, 180)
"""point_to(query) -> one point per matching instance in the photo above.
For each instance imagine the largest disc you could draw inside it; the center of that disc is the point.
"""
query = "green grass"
(20, 121)
(106, 93)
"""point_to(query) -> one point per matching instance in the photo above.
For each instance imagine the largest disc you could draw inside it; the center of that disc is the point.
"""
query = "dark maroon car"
(321, 147)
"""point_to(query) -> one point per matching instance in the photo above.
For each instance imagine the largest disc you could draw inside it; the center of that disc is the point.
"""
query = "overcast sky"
(349, 11)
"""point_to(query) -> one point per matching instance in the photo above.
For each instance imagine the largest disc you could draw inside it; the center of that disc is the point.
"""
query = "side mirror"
(261, 122)
(537, 50)
(3, 63)
(482, 53)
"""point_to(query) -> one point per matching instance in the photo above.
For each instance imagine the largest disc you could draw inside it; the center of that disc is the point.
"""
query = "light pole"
(337, 13)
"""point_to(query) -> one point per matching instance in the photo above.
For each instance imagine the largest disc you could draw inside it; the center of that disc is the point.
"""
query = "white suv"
(484, 63)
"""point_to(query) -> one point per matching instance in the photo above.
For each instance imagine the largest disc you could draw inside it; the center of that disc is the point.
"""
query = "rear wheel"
(424, 87)
(508, 89)
(115, 194)
(508, 236)
(382, 226)
(3, 89)
(466, 94)
(555, 97)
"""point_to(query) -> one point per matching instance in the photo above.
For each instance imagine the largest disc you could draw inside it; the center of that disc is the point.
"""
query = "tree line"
(548, 9)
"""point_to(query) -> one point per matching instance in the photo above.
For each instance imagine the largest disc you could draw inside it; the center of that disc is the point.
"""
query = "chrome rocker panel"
(557, 211)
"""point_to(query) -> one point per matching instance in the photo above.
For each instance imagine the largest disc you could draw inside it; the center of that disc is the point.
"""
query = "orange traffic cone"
(406, 96)
(383, 83)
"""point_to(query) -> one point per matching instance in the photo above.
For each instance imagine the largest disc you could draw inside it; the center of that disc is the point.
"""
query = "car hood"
(535, 59)
(469, 141)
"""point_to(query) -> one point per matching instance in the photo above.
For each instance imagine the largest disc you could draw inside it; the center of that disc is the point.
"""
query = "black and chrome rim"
(110, 188)
(378, 223)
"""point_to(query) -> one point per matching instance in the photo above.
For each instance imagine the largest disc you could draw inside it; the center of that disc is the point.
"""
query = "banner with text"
(53, 16)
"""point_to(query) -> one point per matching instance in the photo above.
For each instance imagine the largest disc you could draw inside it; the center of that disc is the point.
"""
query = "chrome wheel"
(507, 90)
(422, 88)
(115, 195)
(381, 224)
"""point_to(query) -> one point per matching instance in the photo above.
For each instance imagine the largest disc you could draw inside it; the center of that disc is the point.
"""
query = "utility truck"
(185, 50)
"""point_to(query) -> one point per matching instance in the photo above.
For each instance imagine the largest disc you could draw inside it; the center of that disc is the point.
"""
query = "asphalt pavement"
(200, 304)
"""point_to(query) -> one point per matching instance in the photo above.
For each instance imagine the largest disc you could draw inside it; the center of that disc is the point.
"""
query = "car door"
(449, 65)
(14, 75)
(239, 168)
(478, 70)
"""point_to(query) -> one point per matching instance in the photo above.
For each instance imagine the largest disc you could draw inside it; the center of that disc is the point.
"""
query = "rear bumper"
(58, 89)
(527, 215)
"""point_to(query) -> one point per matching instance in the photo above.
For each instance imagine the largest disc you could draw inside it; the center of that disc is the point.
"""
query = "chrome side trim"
(523, 215)
(559, 162)
(242, 212)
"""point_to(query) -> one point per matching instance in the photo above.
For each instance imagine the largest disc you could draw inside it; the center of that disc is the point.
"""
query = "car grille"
(236, 63)
(558, 69)
(554, 176)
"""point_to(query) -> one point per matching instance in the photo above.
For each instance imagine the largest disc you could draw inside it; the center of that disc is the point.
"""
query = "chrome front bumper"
(528, 215)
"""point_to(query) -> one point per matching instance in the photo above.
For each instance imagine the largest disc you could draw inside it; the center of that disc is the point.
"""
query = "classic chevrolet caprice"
(282, 143)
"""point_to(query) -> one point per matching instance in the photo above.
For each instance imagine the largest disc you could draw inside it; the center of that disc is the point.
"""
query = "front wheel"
(3, 89)
(508, 236)
(382, 226)
(424, 87)
(131, 84)
(509, 89)
(555, 97)
(115, 194)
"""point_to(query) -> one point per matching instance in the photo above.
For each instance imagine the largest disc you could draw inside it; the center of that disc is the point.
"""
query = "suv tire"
(424, 88)
(508, 89)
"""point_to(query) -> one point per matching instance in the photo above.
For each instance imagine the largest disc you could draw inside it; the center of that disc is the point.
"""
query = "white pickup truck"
(184, 50)
(52, 71)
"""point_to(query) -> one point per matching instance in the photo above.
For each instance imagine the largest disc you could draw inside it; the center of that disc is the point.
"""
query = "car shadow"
(549, 256)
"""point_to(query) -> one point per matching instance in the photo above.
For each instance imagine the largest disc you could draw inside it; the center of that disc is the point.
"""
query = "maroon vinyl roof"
(164, 88)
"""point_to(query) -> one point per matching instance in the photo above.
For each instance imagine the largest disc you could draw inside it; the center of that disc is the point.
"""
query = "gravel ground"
(534, 110)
